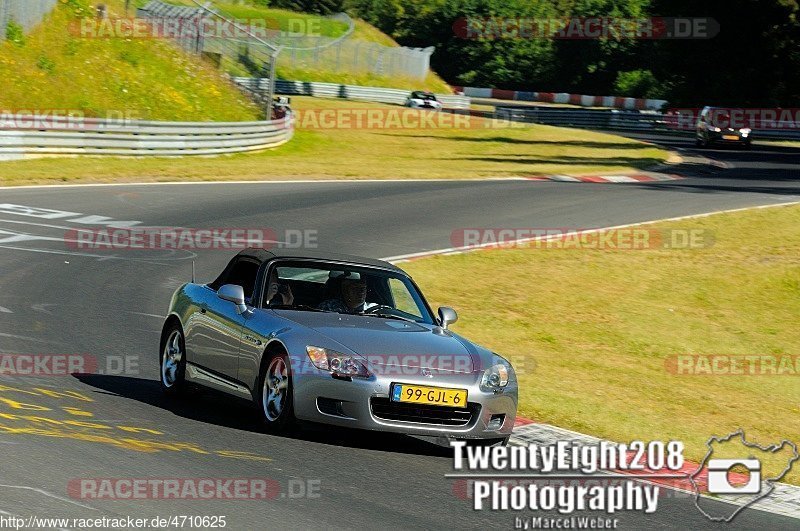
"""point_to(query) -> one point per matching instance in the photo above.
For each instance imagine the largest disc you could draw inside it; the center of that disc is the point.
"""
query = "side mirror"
(235, 294)
(447, 316)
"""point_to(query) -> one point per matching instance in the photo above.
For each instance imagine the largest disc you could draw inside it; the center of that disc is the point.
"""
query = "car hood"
(390, 341)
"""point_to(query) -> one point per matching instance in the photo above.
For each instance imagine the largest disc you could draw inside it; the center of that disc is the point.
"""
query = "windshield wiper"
(386, 316)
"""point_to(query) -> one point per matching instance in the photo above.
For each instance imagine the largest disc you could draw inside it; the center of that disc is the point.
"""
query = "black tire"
(275, 398)
(173, 375)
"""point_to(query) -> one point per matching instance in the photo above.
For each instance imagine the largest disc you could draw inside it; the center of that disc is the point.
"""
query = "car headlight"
(336, 362)
(496, 377)
(715, 129)
(745, 131)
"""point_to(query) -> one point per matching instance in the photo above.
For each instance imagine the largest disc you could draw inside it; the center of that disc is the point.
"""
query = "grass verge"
(592, 331)
(481, 150)
(56, 69)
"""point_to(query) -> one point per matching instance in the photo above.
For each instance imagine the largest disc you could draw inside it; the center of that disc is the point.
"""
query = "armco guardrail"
(582, 100)
(583, 118)
(34, 136)
(645, 121)
(350, 92)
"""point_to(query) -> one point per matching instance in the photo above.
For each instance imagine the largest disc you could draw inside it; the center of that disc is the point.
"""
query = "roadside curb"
(695, 158)
(673, 159)
(268, 182)
(639, 177)
(784, 499)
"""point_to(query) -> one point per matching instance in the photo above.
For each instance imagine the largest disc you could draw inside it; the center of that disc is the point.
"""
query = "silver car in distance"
(338, 340)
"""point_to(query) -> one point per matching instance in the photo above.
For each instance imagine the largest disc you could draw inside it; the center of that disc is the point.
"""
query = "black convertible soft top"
(265, 255)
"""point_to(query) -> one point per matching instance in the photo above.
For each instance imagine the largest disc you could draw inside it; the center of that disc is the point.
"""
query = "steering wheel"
(378, 307)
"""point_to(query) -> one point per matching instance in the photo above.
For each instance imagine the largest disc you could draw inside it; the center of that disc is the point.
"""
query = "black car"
(714, 127)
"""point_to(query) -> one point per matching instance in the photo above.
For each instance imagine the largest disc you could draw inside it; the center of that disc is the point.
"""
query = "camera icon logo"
(719, 482)
(723, 479)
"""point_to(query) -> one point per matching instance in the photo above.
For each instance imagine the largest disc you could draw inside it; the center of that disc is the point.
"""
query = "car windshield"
(344, 289)
(424, 96)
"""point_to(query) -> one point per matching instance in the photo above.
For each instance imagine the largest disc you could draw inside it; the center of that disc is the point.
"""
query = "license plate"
(730, 137)
(437, 396)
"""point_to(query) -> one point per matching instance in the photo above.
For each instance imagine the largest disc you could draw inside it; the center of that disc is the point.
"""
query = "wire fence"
(298, 50)
(358, 57)
(26, 13)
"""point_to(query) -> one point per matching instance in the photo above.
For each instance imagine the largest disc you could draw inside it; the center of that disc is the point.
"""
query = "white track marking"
(468, 248)
(33, 339)
(48, 494)
(158, 261)
(5, 310)
(7, 236)
(43, 307)
(148, 315)
(301, 181)
(48, 225)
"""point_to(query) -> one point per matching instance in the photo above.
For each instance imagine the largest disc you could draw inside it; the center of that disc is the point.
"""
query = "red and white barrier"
(562, 97)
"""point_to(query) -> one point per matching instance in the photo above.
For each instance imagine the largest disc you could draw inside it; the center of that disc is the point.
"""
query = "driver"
(353, 296)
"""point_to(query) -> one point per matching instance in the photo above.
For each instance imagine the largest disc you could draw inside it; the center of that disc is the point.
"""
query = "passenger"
(278, 293)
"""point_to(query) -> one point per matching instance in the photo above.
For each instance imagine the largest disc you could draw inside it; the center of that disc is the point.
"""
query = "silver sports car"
(338, 340)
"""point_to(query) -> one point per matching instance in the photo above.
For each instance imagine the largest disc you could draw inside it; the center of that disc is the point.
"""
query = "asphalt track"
(54, 299)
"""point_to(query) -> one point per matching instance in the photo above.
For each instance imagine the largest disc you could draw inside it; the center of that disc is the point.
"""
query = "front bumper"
(365, 404)
(430, 106)
(720, 137)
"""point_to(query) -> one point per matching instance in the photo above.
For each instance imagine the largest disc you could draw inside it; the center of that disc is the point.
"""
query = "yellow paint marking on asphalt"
(133, 429)
(21, 405)
(78, 412)
(241, 455)
(90, 425)
(39, 391)
(16, 390)
(63, 394)
(155, 446)
(32, 418)
(98, 431)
